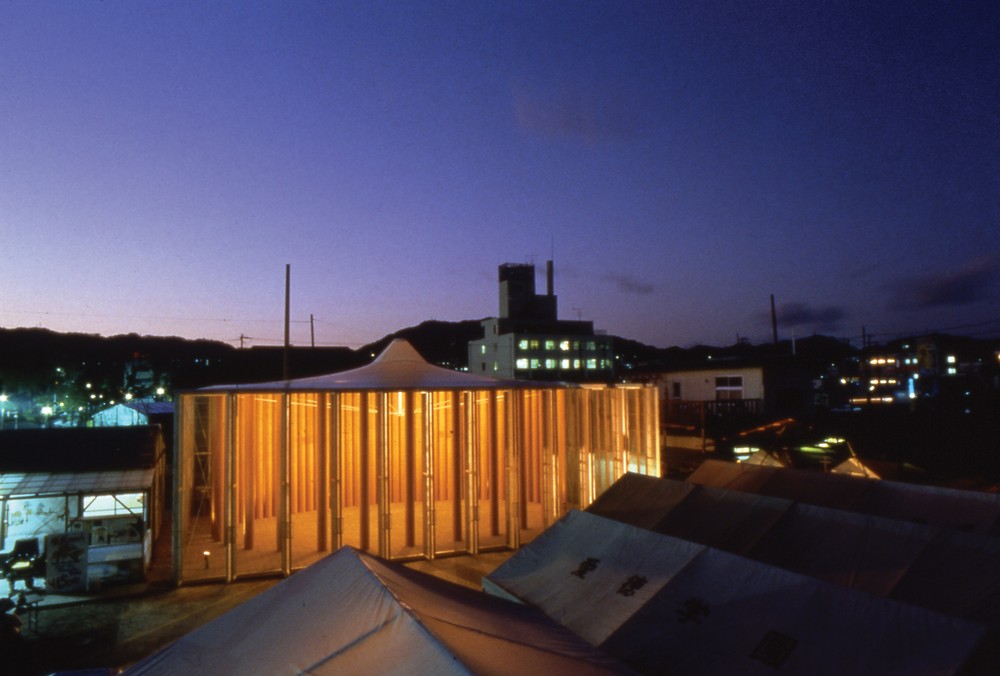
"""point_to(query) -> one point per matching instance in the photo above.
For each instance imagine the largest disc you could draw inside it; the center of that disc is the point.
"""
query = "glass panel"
(405, 423)
(603, 424)
(303, 472)
(449, 505)
(33, 517)
(493, 444)
(121, 504)
(533, 433)
(257, 496)
(358, 518)
(199, 512)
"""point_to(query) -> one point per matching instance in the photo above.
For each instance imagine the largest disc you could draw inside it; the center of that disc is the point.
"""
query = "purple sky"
(161, 162)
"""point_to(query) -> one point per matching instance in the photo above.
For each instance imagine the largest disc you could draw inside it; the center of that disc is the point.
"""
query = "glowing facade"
(399, 458)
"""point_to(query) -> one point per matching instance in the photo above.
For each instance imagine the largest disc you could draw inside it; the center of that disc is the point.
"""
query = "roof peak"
(399, 350)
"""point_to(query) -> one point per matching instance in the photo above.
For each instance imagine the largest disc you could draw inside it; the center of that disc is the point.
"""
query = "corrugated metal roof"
(24, 484)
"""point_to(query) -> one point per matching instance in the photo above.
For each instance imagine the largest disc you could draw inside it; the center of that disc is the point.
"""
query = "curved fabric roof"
(399, 367)
(970, 511)
(934, 567)
(664, 605)
(352, 613)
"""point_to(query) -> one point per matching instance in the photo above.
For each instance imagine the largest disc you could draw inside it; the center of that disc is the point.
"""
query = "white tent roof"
(352, 613)
(933, 567)
(399, 367)
(854, 467)
(971, 511)
(664, 605)
(763, 457)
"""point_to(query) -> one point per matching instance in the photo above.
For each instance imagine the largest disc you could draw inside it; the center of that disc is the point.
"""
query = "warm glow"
(401, 474)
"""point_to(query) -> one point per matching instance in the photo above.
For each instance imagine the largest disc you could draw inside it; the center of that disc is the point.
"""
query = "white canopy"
(398, 368)
(971, 511)
(352, 613)
(853, 466)
(933, 567)
(763, 457)
(664, 605)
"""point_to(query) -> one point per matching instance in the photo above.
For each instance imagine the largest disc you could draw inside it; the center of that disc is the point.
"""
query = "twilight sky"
(161, 162)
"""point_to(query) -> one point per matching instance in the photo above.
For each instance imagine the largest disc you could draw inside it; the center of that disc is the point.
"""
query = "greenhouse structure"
(398, 458)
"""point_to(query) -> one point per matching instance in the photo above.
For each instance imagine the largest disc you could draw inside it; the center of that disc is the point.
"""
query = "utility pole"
(288, 297)
(774, 321)
(312, 330)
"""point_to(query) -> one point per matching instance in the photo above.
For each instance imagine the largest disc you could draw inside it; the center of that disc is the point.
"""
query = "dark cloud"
(970, 283)
(628, 284)
(817, 318)
(591, 113)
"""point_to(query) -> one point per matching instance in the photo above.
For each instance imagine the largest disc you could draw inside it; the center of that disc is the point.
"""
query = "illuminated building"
(527, 341)
(398, 458)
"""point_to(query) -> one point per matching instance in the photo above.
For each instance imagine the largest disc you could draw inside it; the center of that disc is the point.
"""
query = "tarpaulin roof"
(399, 367)
(352, 613)
(931, 566)
(29, 484)
(664, 605)
(972, 511)
(855, 467)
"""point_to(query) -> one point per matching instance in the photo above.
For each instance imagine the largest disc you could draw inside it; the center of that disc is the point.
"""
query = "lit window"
(550, 344)
(591, 363)
(123, 504)
(533, 344)
(951, 359)
(952, 370)
(523, 344)
(576, 364)
(482, 349)
(564, 345)
(550, 363)
(564, 364)
(521, 363)
(535, 363)
(729, 387)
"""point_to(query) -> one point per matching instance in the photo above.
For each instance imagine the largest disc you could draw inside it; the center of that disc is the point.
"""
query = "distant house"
(130, 413)
(701, 404)
(88, 502)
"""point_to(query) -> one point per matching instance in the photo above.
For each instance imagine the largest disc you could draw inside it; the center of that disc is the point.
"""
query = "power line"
(945, 329)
